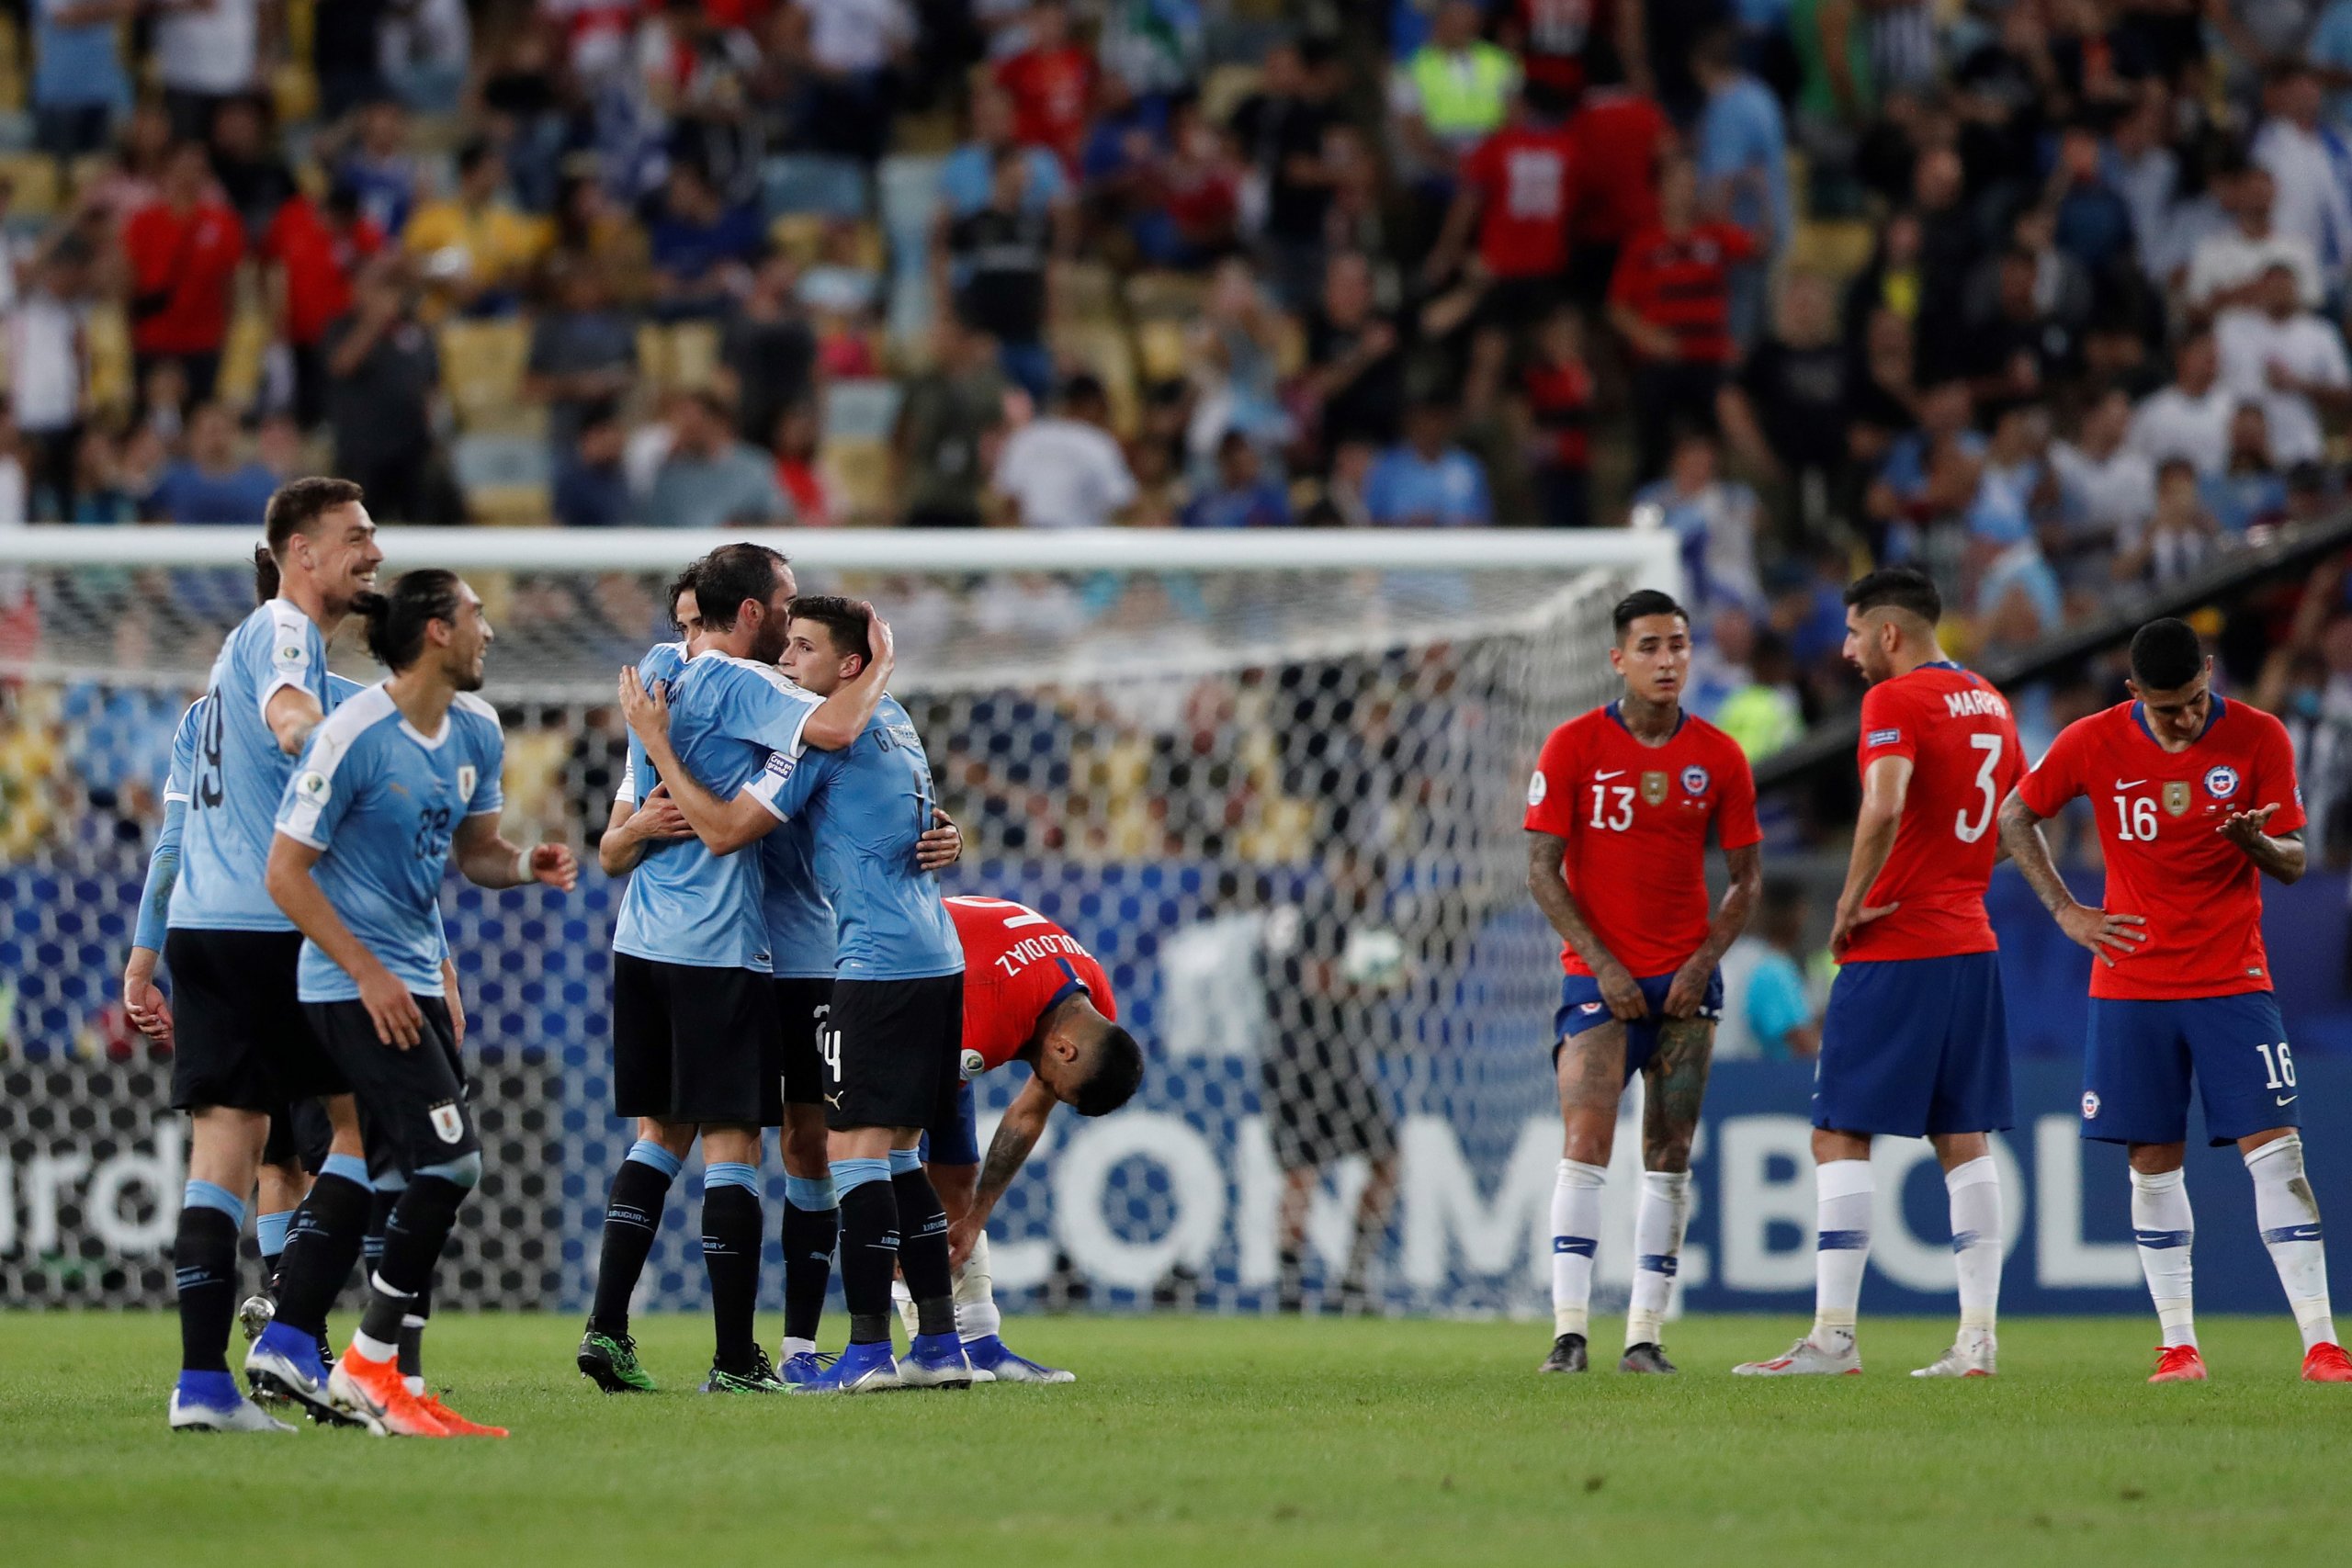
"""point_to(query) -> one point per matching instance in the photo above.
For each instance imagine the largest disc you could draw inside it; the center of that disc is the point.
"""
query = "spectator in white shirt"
(1066, 470)
(205, 51)
(2301, 151)
(2106, 489)
(2290, 361)
(2190, 418)
(2225, 270)
(46, 360)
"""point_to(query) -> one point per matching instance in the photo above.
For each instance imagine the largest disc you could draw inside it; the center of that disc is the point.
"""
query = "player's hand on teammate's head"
(941, 845)
(554, 865)
(879, 640)
(646, 709)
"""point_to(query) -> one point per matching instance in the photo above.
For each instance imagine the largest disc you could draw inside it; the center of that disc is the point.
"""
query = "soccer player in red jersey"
(2196, 801)
(1617, 818)
(1032, 994)
(1914, 1043)
(1670, 298)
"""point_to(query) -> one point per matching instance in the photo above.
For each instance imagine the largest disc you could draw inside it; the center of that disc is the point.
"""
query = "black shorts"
(1323, 1103)
(240, 1037)
(414, 1099)
(891, 1050)
(692, 1043)
(1590, 269)
(1517, 305)
(796, 1074)
(299, 1134)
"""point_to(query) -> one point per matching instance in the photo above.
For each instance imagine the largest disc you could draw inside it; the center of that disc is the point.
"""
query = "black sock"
(320, 1247)
(730, 1253)
(809, 1236)
(380, 1204)
(869, 1258)
(923, 1252)
(413, 1333)
(420, 1226)
(204, 1258)
(632, 1216)
(1290, 1280)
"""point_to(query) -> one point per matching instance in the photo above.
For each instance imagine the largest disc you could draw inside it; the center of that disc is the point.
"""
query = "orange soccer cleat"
(456, 1425)
(2326, 1363)
(375, 1392)
(2178, 1363)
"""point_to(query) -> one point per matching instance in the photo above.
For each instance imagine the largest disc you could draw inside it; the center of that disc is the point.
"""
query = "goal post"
(1177, 744)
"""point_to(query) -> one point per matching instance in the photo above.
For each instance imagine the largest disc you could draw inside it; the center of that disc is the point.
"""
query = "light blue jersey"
(684, 903)
(383, 802)
(237, 773)
(864, 808)
(800, 918)
(661, 664)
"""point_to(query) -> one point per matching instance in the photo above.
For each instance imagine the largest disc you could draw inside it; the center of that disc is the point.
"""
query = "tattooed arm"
(1023, 1124)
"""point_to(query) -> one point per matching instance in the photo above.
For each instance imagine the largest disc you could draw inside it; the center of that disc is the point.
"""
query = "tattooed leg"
(1591, 1071)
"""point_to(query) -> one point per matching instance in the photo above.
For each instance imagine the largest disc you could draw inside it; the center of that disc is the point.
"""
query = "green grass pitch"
(1193, 1440)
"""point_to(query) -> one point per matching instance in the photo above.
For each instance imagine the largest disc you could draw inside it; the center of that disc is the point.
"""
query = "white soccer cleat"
(1805, 1359)
(243, 1416)
(1971, 1356)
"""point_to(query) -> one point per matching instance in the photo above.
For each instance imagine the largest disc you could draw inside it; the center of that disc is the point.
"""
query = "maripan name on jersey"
(239, 773)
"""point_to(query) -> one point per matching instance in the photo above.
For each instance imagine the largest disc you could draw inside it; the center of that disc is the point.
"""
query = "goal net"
(1186, 750)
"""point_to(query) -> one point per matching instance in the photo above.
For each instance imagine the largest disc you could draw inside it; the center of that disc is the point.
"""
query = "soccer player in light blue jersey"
(697, 1046)
(242, 1050)
(393, 786)
(894, 1031)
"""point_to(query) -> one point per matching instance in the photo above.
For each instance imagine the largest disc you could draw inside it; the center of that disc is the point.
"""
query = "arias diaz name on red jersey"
(1964, 759)
(1018, 966)
(1635, 818)
(2159, 815)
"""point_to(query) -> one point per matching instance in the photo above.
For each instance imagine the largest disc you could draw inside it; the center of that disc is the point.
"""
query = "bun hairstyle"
(396, 620)
(265, 575)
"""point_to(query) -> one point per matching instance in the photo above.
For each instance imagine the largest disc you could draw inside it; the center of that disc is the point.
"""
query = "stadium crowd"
(2046, 297)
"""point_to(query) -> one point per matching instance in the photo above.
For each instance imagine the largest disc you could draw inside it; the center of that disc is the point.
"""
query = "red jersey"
(1682, 283)
(320, 265)
(181, 271)
(1018, 966)
(1559, 399)
(1963, 744)
(1050, 88)
(1525, 175)
(1620, 134)
(1635, 817)
(2159, 813)
(1555, 35)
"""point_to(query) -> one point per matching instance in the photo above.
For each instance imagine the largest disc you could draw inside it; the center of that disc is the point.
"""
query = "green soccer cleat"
(610, 1362)
(758, 1378)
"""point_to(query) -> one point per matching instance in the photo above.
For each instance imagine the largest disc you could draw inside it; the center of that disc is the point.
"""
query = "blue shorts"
(1913, 1046)
(2137, 1061)
(1582, 1009)
(958, 1143)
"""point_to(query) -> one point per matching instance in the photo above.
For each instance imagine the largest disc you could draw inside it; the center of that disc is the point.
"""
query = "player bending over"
(894, 1032)
(1032, 994)
(698, 1047)
(1617, 818)
(395, 783)
(1914, 1043)
(2196, 801)
(242, 1051)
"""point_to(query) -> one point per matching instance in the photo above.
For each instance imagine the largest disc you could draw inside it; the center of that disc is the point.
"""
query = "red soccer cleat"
(2178, 1363)
(375, 1393)
(456, 1425)
(2326, 1363)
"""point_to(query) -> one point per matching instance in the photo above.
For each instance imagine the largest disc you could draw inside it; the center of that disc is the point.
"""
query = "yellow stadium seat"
(241, 357)
(799, 235)
(107, 335)
(481, 371)
(1171, 294)
(693, 354)
(34, 177)
(1164, 349)
(1839, 248)
(859, 470)
(511, 506)
(1223, 92)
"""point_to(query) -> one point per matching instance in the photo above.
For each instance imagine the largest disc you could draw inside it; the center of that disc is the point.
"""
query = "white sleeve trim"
(285, 831)
(179, 795)
(773, 808)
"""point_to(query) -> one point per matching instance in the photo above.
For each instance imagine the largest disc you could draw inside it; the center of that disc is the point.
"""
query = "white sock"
(2166, 1232)
(976, 1313)
(1842, 1190)
(1664, 1211)
(1975, 1189)
(2288, 1212)
(1576, 1231)
(792, 1347)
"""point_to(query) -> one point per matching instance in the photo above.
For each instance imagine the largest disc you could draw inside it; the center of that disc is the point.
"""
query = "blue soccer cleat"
(285, 1362)
(859, 1368)
(935, 1361)
(804, 1367)
(989, 1354)
(209, 1401)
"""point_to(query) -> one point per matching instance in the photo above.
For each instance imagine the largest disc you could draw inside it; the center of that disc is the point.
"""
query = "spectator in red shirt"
(797, 439)
(314, 249)
(1671, 299)
(1621, 135)
(1519, 188)
(1052, 83)
(1555, 389)
(183, 250)
(1563, 44)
